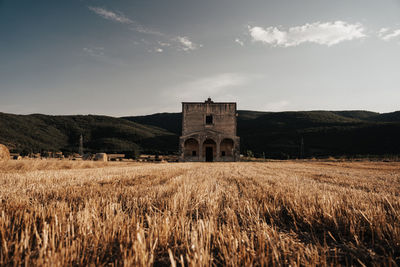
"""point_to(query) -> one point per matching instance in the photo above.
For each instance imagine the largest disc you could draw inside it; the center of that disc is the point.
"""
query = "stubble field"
(200, 214)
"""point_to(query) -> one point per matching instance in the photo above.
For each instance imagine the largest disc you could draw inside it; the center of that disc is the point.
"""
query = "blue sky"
(134, 57)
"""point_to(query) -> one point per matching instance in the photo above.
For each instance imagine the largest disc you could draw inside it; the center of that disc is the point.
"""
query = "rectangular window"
(209, 119)
(194, 153)
(223, 153)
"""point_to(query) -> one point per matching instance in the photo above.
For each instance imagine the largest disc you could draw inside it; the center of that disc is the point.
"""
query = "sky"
(138, 57)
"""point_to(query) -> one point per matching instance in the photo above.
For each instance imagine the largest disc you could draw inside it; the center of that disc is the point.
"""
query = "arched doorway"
(209, 150)
(226, 148)
(191, 148)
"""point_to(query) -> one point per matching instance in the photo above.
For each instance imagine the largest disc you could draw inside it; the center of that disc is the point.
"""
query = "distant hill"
(386, 117)
(269, 134)
(323, 133)
(171, 122)
(356, 114)
(37, 132)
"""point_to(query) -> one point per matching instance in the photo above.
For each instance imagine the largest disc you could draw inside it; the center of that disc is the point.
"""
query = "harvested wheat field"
(200, 214)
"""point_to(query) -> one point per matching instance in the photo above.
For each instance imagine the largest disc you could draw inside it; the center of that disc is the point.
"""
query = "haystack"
(87, 156)
(100, 157)
(4, 153)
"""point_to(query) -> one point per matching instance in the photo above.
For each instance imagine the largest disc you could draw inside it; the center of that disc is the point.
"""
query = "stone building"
(209, 132)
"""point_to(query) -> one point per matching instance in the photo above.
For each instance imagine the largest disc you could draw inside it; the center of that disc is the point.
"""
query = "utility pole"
(81, 145)
(302, 147)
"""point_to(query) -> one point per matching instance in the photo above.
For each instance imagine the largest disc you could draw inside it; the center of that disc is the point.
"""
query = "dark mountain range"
(386, 117)
(37, 132)
(171, 122)
(269, 134)
(305, 133)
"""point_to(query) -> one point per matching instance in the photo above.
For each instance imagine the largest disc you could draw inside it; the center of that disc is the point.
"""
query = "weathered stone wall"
(191, 145)
(226, 147)
(194, 117)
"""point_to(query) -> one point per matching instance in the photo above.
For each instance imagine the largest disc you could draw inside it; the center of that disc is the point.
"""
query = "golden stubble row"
(275, 213)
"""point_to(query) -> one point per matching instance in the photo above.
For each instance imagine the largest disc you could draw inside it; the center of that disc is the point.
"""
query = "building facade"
(209, 132)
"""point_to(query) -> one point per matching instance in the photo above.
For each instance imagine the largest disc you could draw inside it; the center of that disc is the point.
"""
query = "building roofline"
(208, 103)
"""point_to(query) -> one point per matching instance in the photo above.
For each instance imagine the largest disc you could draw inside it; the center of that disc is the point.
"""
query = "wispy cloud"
(110, 15)
(99, 54)
(328, 33)
(217, 86)
(387, 35)
(277, 106)
(142, 29)
(186, 44)
(182, 43)
(240, 42)
(121, 18)
(164, 44)
(94, 51)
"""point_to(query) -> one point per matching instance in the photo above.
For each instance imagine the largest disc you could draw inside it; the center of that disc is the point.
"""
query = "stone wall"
(194, 117)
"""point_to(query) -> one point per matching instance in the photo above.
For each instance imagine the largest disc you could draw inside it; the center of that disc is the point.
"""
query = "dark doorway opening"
(209, 154)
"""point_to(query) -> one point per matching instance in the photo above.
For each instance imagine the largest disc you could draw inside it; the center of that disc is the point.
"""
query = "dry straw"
(100, 157)
(195, 214)
(4, 153)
